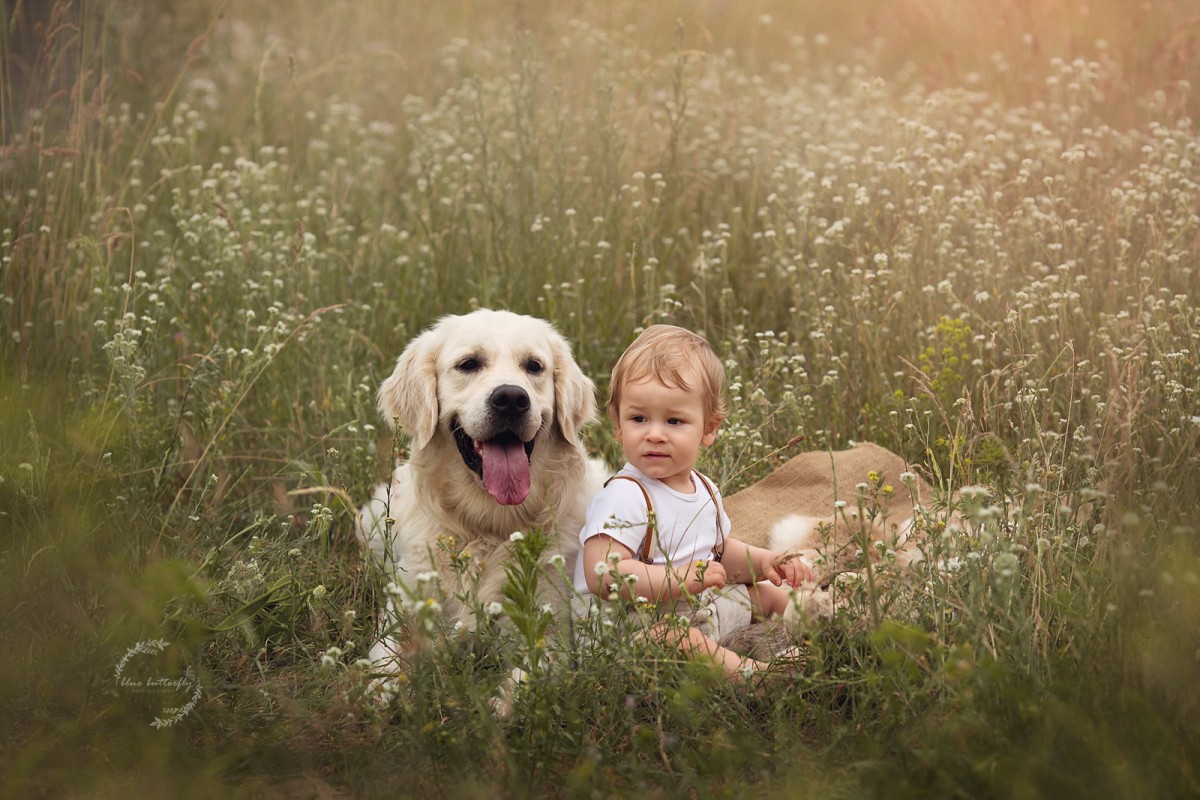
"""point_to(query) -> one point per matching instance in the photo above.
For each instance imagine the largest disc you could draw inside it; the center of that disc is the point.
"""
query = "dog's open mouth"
(502, 462)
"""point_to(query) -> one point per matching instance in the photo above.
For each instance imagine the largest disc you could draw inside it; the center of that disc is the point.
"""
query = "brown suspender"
(651, 522)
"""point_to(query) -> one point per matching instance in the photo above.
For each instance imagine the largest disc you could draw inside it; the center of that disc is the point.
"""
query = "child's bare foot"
(748, 669)
(793, 658)
(774, 684)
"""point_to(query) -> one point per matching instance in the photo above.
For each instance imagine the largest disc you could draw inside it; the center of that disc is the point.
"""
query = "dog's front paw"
(502, 702)
(818, 603)
(382, 692)
(384, 686)
(809, 602)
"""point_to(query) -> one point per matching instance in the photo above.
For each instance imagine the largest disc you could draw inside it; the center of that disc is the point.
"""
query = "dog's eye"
(533, 366)
(468, 365)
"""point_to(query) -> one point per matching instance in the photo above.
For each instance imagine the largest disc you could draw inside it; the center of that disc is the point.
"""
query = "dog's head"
(496, 383)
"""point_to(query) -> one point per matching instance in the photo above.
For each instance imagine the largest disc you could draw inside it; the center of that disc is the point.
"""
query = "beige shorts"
(720, 612)
(716, 612)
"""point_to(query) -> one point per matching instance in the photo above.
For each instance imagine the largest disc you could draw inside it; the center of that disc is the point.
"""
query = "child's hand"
(789, 568)
(706, 575)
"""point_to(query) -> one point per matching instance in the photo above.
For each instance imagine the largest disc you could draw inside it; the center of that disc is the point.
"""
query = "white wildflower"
(330, 657)
(1006, 565)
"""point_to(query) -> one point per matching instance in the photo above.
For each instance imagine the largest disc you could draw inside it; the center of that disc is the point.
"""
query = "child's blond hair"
(664, 352)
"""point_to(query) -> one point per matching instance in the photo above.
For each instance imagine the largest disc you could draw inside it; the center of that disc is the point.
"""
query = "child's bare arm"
(745, 563)
(653, 582)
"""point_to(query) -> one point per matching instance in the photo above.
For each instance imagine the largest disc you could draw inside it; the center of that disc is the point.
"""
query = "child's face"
(662, 429)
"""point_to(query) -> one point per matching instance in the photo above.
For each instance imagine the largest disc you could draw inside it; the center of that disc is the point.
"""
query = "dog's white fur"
(437, 506)
(804, 535)
(828, 543)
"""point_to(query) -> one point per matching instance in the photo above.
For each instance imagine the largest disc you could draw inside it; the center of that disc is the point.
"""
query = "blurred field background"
(965, 230)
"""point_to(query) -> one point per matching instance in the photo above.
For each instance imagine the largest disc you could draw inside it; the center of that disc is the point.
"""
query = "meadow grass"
(967, 231)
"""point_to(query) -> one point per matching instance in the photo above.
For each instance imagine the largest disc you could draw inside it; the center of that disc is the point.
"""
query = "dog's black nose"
(509, 401)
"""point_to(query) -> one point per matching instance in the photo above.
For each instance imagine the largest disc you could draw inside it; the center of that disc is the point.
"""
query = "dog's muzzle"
(502, 458)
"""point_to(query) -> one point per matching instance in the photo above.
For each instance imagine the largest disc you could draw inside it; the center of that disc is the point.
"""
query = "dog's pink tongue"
(506, 472)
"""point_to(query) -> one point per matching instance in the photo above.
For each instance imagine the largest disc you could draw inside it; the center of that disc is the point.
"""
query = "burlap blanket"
(810, 484)
(809, 487)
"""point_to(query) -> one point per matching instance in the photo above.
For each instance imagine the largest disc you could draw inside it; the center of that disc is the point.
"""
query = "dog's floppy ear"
(409, 395)
(574, 394)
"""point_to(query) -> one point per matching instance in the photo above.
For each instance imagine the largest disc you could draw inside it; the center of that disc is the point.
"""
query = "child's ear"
(710, 432)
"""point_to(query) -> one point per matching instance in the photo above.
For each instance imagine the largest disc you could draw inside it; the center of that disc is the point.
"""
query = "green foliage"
(973, 244)
(946, 360)
(521, 599)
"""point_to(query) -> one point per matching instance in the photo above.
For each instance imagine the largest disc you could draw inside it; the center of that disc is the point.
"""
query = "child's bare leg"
(695, 644)
(769, 600)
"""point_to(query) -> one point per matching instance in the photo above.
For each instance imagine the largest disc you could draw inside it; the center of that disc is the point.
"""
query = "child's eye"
(638, 418)
(674, 421)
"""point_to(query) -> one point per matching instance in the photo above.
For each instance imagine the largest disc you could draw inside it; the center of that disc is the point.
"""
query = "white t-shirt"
(687, 523)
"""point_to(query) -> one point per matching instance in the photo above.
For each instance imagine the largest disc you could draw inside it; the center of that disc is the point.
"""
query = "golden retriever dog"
(494, 403)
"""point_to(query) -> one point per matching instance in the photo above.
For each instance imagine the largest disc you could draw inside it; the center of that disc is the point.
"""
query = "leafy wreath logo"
(154, 647)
